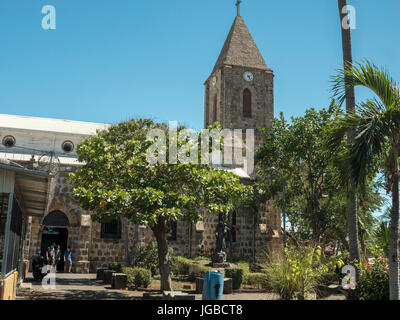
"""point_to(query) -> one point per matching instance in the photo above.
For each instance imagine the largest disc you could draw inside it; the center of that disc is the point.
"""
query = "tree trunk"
(128, 261)
(350, 108)
(394, 235)
(163, 255)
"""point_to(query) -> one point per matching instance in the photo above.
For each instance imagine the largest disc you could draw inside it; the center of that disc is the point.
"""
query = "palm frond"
(370, 127)
(369, 76)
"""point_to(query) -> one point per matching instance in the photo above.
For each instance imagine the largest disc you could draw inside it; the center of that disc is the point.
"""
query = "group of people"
(41, 264)
(54, 256)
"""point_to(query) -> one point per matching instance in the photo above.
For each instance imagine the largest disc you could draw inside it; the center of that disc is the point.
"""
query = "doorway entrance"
(59, 236)
(55, 231)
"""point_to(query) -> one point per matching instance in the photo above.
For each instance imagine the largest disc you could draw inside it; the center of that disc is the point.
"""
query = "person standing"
(68, 260)
(57, 257)
(50, 254)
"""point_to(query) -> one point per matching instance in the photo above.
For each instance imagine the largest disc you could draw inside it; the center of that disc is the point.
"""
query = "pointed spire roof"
(240, 49)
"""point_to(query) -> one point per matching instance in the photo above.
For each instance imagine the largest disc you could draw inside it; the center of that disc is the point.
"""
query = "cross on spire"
(238, 7)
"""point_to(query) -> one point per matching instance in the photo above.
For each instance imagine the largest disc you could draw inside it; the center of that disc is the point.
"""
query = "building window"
(9, 141)
(215, 109)
(111, 230)
(67, 146)
(247, 103)
(171, 230)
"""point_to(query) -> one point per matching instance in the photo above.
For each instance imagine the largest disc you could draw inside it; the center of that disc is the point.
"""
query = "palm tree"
(352, 224)
(376, 127)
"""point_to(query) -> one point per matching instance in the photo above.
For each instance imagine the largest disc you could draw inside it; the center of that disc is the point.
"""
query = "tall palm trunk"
(394, 232)
(350, 108)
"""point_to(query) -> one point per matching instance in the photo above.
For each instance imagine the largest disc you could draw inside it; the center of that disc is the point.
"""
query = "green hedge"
(237, 276)
(188, 267)
(117, 267)
(180, 265)
(139, 277)
(256, 279)
(197, 270)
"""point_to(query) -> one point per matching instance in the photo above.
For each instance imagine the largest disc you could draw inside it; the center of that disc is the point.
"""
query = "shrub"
(117, 267)
(374, 281)
(297, 272)
(197, 270)
(180, 265)
(256, 279)
(185, 266)
(147, 258)
(139, 277)
(201, 258)
(237, 276)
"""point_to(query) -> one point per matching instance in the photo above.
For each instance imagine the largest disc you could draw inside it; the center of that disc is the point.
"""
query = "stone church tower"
(239, 95)
(239, 91)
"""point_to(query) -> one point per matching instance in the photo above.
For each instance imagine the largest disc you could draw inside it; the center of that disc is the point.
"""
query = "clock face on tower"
(248, 76)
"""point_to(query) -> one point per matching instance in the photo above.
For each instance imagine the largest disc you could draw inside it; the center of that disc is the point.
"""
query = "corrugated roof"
(50, 125)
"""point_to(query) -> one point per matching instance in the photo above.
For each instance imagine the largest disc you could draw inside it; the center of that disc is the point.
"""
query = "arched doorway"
(55, 230)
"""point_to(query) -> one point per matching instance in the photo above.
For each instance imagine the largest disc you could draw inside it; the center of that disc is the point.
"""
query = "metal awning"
(32, 188)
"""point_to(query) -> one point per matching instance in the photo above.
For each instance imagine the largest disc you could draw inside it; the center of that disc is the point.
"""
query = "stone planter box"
(119, 281)
(107, 276)
(100, 273)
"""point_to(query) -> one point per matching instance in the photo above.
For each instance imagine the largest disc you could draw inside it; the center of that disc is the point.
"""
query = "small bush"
(180, 265)
(185, 266)
(147, 258)
(197, 270)
(374, 281)
(295, 273)
(201, 258)
(237, 276)
(117, 267)
(139, 277)
(256, 279)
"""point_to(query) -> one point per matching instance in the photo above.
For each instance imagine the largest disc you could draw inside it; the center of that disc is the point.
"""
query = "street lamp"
(283, 204)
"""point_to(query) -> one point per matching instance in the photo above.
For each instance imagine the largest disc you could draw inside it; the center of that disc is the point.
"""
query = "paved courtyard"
(72, 286)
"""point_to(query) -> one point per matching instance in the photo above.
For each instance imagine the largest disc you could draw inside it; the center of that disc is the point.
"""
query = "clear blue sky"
(109, 60)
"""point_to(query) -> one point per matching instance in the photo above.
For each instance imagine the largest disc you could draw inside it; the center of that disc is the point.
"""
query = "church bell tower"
(239, 91)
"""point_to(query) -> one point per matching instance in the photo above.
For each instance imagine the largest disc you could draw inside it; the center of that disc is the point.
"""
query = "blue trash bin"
(213, 286)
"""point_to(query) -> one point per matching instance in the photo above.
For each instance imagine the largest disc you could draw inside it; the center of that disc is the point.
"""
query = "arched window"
(215, 109)
(56, 219)
(247, 103)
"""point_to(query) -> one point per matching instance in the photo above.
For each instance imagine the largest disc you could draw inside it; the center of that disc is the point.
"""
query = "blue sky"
(109, 60)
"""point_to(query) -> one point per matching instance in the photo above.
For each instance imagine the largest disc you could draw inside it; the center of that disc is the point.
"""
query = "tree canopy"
(118, 180)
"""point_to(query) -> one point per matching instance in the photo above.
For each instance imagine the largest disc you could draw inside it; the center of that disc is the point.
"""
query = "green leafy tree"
(117, 180)
(376, 124)
(315, 196)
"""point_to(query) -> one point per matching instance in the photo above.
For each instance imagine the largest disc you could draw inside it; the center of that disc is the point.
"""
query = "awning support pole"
(7, 235)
